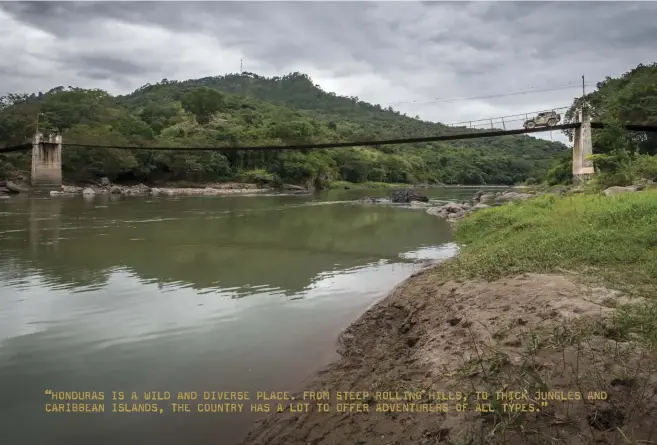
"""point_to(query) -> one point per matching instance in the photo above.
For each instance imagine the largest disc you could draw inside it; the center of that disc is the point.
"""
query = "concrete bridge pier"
(582, 147)
(46, 162)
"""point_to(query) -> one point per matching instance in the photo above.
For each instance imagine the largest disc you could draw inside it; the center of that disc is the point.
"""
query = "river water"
(187, 294)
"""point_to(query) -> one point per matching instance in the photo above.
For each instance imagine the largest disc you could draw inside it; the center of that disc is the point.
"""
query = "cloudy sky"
(416, 57)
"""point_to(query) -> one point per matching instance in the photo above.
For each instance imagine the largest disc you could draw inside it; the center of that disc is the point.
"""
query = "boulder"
(88, 191)
(104, 182)
(71, 189)
(486, 197)
(612, 191)
(434, 211)
(13, 188)
(453, 207)
(407, 195)
(480, 207)
(513, 196)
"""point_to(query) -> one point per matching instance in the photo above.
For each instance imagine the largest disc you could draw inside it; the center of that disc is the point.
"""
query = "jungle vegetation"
(246, 109)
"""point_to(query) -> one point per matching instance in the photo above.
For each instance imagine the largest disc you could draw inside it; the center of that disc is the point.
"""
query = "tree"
(203, 102)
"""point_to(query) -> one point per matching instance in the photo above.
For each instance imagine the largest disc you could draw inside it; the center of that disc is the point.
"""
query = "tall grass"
(614, 236)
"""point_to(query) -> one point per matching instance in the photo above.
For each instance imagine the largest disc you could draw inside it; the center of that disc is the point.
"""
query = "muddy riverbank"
(436, 360)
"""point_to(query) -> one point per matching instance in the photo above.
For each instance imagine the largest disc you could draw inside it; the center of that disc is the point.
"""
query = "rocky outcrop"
(512, 196)
(407, 195)
(483, 197)
(14, 188)
(612, 191)
(454, 211)
(144, 190)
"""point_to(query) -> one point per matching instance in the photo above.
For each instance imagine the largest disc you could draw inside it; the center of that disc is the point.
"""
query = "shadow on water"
(205, 294)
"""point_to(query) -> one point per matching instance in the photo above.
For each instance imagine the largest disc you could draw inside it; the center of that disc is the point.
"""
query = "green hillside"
(246, 109)
(621, 157)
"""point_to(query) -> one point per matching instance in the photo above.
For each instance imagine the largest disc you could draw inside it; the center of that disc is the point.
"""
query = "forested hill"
(246, 109)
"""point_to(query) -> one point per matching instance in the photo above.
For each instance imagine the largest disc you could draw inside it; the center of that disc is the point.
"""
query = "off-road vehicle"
(545, 119)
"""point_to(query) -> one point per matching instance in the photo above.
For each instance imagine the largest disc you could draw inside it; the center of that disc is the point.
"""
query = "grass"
(615, 238)
(608, 240)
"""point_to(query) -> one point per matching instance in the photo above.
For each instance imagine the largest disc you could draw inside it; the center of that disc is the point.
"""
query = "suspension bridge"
(46, 151)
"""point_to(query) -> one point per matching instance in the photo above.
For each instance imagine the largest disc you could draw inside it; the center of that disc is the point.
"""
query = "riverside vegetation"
(551, 293)
(247, 109)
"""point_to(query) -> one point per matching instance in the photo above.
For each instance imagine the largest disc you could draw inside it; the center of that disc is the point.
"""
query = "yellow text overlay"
(213, 402)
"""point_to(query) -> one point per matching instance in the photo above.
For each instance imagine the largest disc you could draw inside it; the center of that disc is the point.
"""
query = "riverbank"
(455, 211)
(183, 188)
(206, 189)
(549, 295)
(346, 185)
(167, 190)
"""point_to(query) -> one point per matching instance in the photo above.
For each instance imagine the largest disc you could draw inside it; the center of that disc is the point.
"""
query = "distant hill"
(246, 109)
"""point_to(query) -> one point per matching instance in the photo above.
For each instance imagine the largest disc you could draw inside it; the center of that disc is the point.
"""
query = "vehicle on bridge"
(545, 119)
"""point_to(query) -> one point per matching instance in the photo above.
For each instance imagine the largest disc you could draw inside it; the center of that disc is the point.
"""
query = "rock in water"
(407, 195)
(13, 188)
(513, 196)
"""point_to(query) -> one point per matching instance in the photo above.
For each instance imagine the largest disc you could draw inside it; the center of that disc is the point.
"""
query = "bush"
(259, 177)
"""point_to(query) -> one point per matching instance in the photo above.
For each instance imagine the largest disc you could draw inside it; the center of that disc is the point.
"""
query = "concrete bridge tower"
(582, 147)
(46, 162)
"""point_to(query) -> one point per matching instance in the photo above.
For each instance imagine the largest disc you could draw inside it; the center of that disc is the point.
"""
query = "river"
(187, 294)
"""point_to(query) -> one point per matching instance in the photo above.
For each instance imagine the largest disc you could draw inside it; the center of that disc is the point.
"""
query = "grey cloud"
(419, 50)
(105, 67)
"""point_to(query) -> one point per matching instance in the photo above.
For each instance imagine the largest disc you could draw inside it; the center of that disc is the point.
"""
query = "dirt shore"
(435, 335)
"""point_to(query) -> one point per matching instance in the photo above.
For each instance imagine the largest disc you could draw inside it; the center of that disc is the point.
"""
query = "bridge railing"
(510, 122)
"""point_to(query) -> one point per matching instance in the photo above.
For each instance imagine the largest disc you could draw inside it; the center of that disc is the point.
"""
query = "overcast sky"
(403, 54)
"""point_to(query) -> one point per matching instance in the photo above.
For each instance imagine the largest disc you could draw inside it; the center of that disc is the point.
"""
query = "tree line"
(621, 157)
(246, 109)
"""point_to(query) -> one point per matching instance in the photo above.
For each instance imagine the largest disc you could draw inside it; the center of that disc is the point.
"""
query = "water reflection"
(207, 243)
(148, 294)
